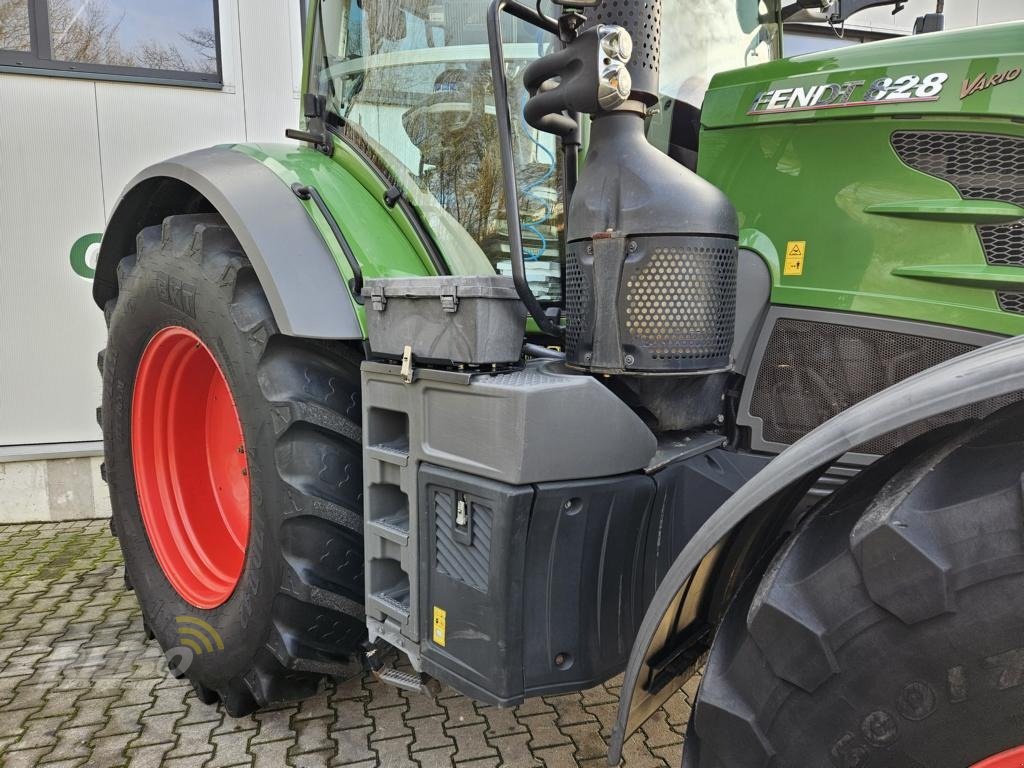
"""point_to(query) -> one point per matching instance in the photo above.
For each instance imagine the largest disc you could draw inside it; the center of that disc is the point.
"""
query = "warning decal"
(795, 252)
(440, 620)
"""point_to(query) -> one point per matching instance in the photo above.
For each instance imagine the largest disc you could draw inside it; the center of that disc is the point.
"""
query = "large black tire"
(889, 631)
(296, 614)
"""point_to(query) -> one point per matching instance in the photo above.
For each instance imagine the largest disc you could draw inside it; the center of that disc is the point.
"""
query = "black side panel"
(688, 494)
(811, 365)
(472, 569)
(583, 601)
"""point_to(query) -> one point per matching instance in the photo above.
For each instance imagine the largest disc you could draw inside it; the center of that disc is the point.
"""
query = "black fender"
(308, 295)
(991, 371)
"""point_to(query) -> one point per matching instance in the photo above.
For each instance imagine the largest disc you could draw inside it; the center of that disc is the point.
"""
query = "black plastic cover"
(543, 587)
(471, 581)
(688, 494)
(584, 581)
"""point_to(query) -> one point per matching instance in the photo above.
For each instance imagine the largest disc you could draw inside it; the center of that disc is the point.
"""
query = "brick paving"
(81, 686)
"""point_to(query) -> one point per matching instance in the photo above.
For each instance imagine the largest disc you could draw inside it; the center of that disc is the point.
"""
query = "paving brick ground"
(81, 686)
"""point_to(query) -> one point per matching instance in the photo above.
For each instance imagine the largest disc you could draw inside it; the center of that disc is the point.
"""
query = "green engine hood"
(972, 72)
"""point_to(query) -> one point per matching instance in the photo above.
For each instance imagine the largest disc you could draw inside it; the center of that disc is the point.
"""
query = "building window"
(153, 41)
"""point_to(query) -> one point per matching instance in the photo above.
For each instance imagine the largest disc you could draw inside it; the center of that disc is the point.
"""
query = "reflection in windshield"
(411, 83)
(704, 37)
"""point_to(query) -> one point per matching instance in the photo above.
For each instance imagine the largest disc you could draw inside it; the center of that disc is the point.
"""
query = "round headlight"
(616, 43)
(615, 86)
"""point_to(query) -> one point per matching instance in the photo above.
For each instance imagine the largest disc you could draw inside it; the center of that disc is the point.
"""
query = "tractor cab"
(410, 83)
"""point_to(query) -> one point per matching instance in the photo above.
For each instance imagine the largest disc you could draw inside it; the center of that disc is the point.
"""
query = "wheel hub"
(191, 471)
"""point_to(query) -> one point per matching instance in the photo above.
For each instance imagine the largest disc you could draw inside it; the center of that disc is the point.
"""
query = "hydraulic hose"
(528, 191)
(536, 350)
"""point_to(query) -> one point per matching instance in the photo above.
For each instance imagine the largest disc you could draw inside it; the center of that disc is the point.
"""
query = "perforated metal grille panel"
(1011, 301)
(576, 304)
(470, 563)
(812, 371)
(981, 166)
(682, 303)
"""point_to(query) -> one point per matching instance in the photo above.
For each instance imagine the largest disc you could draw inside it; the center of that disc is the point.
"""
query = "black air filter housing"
(642, 19)
(651, 261)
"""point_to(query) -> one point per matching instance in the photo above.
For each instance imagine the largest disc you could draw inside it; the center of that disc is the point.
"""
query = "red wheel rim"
(191, 472)
(1013, 758)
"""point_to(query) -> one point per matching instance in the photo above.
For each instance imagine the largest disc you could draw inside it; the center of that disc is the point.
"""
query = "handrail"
(504, 116)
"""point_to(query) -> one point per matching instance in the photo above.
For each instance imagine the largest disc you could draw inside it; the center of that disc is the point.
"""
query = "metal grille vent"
(812, 371)
(470, 563)
(682, 303)
(1011, 301)
(576, 304)
(982, 167)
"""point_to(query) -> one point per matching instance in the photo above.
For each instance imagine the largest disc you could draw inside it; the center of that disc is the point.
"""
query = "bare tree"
(90, 31)
(204, 42)
(84, 30)
(14, 26)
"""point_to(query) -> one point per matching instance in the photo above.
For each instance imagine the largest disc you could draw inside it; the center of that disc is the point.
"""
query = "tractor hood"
(965, 72)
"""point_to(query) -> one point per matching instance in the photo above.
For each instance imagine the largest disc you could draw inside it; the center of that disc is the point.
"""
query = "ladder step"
(407, 681)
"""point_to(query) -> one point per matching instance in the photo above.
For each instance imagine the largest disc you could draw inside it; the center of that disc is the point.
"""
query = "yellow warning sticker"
(440, 619)
(795, 252)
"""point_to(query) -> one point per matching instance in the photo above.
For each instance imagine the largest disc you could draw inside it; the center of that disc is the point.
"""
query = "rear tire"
(889, 631)
(295, 613)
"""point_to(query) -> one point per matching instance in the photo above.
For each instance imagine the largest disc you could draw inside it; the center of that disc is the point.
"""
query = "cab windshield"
(408, 82)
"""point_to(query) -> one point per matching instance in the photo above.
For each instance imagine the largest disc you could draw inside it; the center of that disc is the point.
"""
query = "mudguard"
(990, 371)
(303, 281)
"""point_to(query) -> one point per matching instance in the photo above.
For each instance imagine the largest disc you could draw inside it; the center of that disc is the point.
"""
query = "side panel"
(780, 91)
(829, 181)
(808, 365)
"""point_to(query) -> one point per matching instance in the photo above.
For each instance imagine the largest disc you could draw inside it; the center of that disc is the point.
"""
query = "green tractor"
(595, 338)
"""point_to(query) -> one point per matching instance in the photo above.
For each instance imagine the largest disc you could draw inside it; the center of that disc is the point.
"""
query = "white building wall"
(959, 14)
(67, 149)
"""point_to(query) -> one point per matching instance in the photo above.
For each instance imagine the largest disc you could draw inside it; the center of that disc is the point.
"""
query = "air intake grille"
(682, 303)
(577, 315)
(981, 166)
(1011, 301)
(812, 371)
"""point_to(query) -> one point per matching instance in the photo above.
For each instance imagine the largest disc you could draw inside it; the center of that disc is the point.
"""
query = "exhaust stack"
(652, 247)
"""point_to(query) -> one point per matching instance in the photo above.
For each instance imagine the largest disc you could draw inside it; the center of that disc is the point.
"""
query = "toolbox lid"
(462, 286)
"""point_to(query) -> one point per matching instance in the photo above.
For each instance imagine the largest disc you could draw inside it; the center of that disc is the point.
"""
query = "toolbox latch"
(450, 300)
(378, 301)
(407, 372)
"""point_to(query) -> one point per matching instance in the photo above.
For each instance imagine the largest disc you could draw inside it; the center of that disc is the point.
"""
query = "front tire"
(240, 523)
(889, 631)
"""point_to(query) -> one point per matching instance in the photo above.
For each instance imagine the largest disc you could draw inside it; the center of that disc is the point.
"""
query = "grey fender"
(990, 371)
(307, 293)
